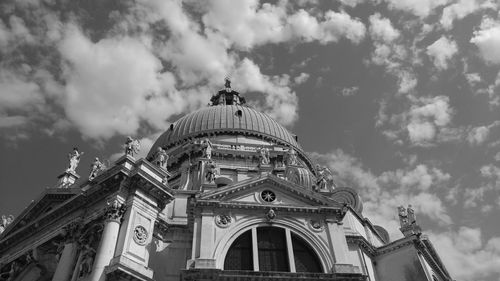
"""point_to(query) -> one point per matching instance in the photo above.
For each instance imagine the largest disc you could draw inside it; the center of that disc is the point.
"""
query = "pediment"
(48, 201)
(268, 190)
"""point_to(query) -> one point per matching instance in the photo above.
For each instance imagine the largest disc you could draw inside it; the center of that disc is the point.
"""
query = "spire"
(227, 96)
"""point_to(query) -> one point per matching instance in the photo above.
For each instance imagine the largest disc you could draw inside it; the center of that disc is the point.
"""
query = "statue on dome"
(132, 146)
(264, 156)
(160, 158)
(403, 216)
(96, 167)
(324, 180)
(74, 159)
(227, 96)
(207, 148)
(291, 157)
(211, 173)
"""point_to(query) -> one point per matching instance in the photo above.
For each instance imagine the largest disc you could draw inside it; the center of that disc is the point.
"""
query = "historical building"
(226, 193)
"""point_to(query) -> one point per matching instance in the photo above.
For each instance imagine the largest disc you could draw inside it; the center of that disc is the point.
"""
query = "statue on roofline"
(96, 167)
(6, 220)
(324, 180)
(264, 156)
(160, 158)
(227, 96)
(132, 146)
(211, 173)
(207, 148)
(74, 159)
(291, 157)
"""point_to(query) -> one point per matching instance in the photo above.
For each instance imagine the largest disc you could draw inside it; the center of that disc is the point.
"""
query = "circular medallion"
(316, 225)
(268, 196)
(223, 220)
(140, 235)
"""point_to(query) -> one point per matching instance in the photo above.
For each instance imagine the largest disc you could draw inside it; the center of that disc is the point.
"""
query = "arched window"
(271, 249)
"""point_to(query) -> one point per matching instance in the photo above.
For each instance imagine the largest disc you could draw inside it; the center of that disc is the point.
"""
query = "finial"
(227, 96)
(227, 82)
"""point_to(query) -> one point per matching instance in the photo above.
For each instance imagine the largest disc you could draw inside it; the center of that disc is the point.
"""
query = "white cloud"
(338, 25)
(487, 39)
(478, 135)
(465, 254)
(381, 29)
(441, 51)
(427, 117)
(421, 8)
(302, 78)
(351, 91)
(117, 80)
(461, 9)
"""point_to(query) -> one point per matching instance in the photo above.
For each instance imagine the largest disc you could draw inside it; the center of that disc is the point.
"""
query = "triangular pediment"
(48, 201)
(268, 190)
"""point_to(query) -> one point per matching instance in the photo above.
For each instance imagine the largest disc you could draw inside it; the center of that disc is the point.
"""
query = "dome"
(225, 119)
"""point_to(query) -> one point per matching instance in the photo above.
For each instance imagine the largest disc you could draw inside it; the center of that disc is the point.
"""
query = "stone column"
(66, 263)
(106, 250)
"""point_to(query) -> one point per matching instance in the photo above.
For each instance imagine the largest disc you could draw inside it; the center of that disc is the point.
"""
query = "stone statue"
(411, 215)
(207, 148)
(324, 180)
(291, 157)
(271, 214)
(87, 260)
(161, 158)
(227, 96)
(264, 156)
(6, 220)
(403, 216)
(211, 171)
(132, 146)
(74, 159)
(96, 167)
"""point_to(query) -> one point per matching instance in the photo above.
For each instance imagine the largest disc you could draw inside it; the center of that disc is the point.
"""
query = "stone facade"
(234, 198)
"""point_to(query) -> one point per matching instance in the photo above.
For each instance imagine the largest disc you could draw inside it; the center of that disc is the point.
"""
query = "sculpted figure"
(403, 216)
(96, 167)
(132, 146)
(291, 157)
(161, 158)
(211, 171)
(87, 260)
(207, 148)
(324, 181)
(74, 159)
(264, 156)
(411, 215)
(6, 220)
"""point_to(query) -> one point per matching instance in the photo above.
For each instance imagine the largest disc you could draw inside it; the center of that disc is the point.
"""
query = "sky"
(400, 98)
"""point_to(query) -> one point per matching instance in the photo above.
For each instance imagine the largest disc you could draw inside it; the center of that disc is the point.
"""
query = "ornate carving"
(115, 211)
(87, 260)
(227, 96)
(6, 220)
(96, 167)
(317, 225)
(140, 235)
(132, 146)
(270, 215)
(87, 243)
(223, 220)
(74, 159)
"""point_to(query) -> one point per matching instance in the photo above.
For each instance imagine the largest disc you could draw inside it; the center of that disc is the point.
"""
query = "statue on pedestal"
(211, 173)
(324, 180)
(207, 148)
(160, 158)
(132, 146)
(6, 220)
(74, 159)
(96, 167)
(264, 156)
(403, 216)
(291, 157)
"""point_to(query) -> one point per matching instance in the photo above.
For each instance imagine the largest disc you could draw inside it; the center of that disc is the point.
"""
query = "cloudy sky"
(401, 98)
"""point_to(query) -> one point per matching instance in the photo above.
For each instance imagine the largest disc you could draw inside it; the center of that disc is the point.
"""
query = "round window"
(268, 195)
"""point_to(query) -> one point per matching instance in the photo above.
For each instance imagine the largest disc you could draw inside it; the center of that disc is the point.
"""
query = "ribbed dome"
(225, 119)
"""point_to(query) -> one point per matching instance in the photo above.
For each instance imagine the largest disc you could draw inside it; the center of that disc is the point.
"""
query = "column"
(106, 250)
(255, 249)
(289, 248)
(338, 241)
(66, 263)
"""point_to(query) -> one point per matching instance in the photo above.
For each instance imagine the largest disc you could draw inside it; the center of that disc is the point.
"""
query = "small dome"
(225, 119)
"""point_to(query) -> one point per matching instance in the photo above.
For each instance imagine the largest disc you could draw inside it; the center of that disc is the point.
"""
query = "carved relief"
(140, 235)
(223, 220)
(317, 225)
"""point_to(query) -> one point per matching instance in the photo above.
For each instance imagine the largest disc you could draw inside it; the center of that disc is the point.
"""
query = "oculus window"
(271, 249)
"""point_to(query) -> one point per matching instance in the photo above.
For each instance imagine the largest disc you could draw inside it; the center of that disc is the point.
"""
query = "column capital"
(115, 211)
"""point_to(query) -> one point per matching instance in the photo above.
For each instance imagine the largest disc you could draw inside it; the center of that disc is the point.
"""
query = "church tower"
(225, 193)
